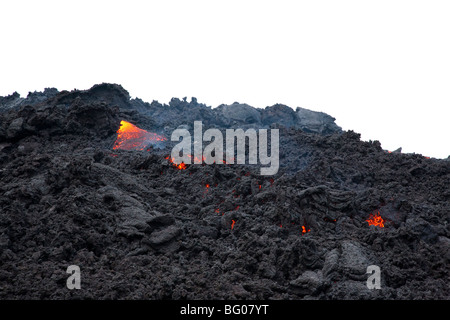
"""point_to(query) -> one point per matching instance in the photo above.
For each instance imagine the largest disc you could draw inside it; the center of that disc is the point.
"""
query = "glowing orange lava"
(232, 224)
(304, 230)
(180, 166)
(376, 220)
(130, 137)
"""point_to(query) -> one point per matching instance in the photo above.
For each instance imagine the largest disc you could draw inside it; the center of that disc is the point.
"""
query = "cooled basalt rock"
(178, 112)
(241, 114)
(316, 122)
(140, 228)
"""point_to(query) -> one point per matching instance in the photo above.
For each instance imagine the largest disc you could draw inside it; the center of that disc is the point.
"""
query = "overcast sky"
(381, 68)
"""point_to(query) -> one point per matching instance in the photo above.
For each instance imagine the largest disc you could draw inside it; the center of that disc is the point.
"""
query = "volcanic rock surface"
(140, 228)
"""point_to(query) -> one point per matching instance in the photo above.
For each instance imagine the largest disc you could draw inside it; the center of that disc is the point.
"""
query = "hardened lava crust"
(141, 227)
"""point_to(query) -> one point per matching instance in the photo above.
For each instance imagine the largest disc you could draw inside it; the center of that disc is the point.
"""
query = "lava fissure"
(130, 137)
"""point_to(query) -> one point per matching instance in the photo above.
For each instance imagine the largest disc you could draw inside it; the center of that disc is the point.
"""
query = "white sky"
(381, 68)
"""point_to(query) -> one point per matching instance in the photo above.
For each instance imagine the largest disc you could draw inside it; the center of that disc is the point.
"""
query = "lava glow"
(130, 137)
(376, 220)
(232, 224)
(304, 230)
(180, 166)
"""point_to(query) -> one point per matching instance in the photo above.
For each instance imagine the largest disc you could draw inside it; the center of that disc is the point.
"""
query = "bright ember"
(130, 137)
(304, 230)
(376, 220)
(180, 166)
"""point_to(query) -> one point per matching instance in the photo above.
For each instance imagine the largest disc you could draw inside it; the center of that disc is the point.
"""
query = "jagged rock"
(279, 114)
(15, 128)
(353, 262)
(310, 254)
(134, 223)
(179, 112)
(99, 119)
(240, 113)
(164, 237)
(308, 283)
(12, 101)
(316, 122)
(330, 268)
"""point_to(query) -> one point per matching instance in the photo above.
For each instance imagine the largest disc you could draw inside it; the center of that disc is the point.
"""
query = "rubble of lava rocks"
(141, 228)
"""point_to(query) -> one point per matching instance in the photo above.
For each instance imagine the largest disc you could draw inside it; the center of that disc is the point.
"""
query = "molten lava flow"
(130, 137)
(232, 224)
(376, 220)
(180, 166)
(304, 230)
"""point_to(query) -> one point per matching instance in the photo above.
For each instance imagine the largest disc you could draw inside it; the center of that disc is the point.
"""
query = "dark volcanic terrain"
(140, 228)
